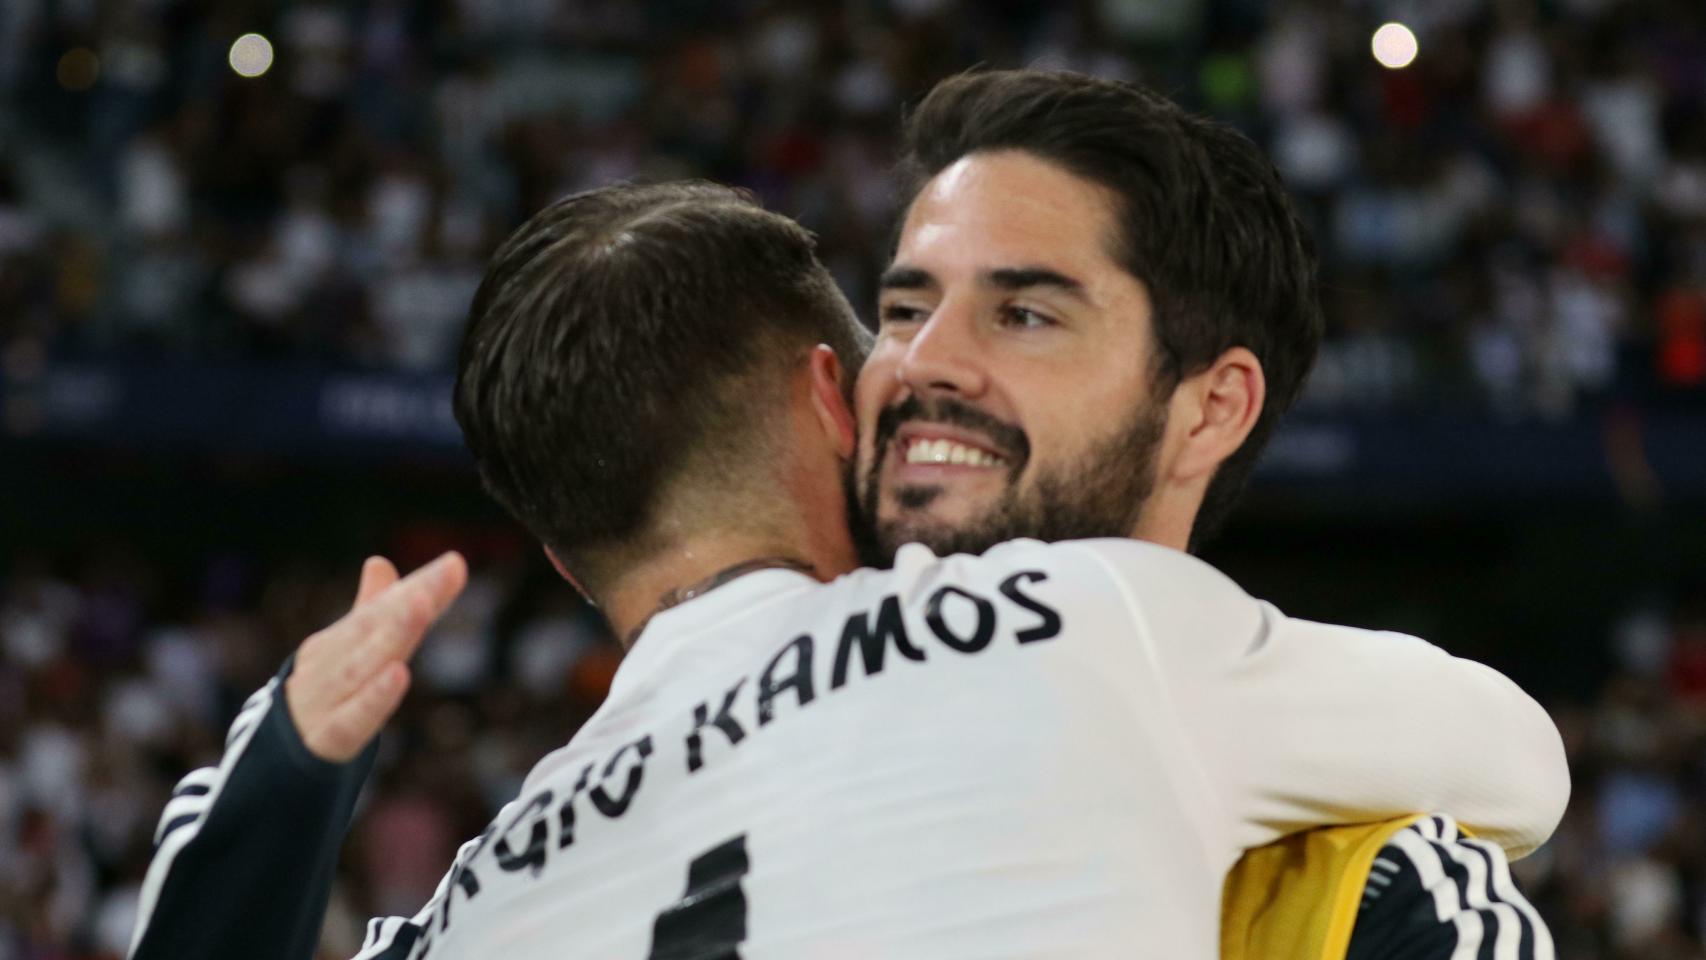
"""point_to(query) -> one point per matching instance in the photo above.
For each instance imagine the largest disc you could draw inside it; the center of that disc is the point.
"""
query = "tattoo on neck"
(680, 595)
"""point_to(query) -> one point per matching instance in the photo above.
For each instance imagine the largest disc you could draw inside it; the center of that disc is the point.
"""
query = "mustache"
(1007, 439)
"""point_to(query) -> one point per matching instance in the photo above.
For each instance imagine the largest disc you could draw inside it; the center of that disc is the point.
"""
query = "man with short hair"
(1098, 308)
(1113, 296)
(1045, 750)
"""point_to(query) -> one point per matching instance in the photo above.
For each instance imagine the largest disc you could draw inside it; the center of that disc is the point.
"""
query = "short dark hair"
(627, 336)
(1204, 223)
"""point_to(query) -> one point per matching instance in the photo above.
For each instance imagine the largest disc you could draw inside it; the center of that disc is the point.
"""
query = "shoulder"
(1110, 579)
(1137, 562)
(1145, 568)
(1156, 583)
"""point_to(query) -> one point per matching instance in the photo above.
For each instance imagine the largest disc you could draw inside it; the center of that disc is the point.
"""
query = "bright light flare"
(251, 55)
(1394, 46)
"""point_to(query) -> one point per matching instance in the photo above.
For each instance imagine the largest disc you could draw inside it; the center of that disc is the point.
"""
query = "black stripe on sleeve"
(1431, 893)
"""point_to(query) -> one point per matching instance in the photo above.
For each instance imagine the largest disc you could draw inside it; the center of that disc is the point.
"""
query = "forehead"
(1010, 206)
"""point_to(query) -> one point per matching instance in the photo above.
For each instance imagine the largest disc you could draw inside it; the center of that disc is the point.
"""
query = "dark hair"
(1203, 223)
(626, 337)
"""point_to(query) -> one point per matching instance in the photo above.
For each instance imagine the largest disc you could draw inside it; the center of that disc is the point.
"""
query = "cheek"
(1063, 424)
(875, 391)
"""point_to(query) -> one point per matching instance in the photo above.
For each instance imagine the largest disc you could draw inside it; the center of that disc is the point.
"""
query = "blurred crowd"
(1515, 222)
(1625, 875)
(117, 678)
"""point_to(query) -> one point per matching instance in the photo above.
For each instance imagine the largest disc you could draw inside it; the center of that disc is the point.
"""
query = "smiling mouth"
(946, 452)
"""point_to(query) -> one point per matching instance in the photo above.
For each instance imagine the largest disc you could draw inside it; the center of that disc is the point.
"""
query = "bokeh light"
(251, 55)
(78, 69)
(1394, 46)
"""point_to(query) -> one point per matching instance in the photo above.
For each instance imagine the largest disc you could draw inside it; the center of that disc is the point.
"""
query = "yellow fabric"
(1297, 898)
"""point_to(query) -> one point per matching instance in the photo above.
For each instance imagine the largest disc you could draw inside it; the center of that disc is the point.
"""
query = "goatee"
(1100, 493)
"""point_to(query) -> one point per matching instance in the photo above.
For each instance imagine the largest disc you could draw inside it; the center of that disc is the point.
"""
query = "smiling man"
(1019, 388)
(1098, 308)
(1107, 299)
(1046, 750)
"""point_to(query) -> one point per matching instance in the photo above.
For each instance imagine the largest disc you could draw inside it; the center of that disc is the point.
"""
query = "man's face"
(1011, 391)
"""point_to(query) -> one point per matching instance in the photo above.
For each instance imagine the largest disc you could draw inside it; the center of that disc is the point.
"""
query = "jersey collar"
(670, 628)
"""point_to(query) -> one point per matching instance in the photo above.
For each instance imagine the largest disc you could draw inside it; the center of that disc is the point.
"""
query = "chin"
(942, 536)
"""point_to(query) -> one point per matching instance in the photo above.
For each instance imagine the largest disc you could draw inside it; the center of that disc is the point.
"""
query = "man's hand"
(350, 677)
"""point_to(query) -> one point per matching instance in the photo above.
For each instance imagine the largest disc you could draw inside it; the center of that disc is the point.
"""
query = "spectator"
(339, 208)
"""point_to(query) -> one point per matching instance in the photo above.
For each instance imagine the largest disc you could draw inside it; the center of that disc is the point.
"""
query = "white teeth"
(950, 453)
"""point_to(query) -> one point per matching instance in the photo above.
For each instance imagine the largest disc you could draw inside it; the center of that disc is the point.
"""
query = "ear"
(1222, 404)
(829, 399)
(558, 564)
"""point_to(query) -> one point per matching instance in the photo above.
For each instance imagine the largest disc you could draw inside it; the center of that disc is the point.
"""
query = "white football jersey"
(1045, 751)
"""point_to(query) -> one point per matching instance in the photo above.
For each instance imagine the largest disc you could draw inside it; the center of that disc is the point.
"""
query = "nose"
(945, 355)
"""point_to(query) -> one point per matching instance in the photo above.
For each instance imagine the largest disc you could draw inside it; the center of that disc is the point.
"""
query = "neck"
(1166, 532)
(1167, 517)
(695, 568)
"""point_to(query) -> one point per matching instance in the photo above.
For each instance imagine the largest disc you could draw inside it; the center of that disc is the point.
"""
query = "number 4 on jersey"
(709, 921)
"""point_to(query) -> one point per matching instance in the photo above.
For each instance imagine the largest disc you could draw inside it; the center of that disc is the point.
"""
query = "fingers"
(391, 625)
(355, 721)
(418, 599)
(377, 574)
(351, 676)
(451, 577)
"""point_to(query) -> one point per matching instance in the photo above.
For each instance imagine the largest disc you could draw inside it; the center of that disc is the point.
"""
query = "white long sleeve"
(1301, 724)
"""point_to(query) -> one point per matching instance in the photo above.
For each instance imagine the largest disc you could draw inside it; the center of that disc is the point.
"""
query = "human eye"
(901, 313)
(1025, 318)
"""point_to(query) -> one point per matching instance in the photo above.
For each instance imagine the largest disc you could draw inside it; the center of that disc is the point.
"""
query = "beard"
(1098, 493)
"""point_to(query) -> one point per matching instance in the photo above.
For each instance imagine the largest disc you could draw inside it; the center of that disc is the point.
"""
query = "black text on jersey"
(954, 619)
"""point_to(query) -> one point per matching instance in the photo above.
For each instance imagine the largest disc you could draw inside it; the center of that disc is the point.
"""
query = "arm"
(271, 802)
(1433, 894)
(245, 851)
(1320, 724)
(1301, 724)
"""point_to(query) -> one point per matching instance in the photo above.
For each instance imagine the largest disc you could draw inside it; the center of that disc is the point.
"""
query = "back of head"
(1204, 224)
(626, 361)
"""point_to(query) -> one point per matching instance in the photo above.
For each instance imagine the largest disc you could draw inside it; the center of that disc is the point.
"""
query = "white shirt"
(1063, 756)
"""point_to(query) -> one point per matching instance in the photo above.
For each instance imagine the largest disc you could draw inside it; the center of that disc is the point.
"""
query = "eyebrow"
(906, 278)
(1020, 278)
(1004, 278)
